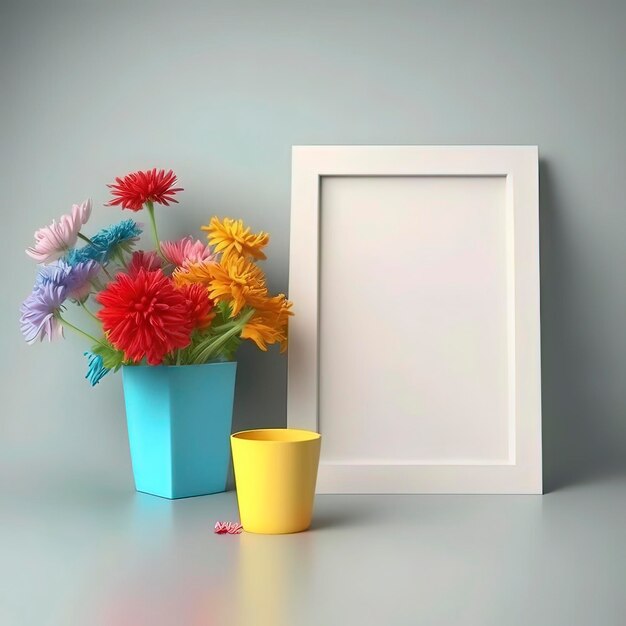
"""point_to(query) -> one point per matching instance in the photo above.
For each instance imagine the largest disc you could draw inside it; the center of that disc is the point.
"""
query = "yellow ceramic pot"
(275, 473)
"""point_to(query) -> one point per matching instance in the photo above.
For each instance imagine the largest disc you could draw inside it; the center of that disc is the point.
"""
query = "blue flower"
(107, 243)
(83, 255)
(74, 278)
(95, 368)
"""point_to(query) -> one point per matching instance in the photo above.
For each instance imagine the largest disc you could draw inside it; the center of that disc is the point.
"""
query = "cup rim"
(305, 436)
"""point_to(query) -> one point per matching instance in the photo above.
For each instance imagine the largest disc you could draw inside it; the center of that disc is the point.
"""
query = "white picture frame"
(415, 345)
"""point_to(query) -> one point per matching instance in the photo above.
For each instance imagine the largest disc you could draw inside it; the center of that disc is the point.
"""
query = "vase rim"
(154, 367)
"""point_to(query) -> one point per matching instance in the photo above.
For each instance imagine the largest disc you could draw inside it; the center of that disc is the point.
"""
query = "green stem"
(225, 326)
(215, 344)
(78, 330)
(119, 257)
(85, 238)
(155, 234)
(88, 311)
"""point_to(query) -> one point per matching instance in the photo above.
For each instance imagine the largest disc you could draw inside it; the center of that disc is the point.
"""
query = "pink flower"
(186, 250)
(227, 528)
(54, 241)
(149, 261)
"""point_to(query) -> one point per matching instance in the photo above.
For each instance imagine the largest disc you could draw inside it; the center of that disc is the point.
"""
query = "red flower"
(145, 316)
(134, 190)
(199, 305)
(149, 261)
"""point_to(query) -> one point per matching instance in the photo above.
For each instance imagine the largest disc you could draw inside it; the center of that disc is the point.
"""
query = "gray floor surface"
(88, 557)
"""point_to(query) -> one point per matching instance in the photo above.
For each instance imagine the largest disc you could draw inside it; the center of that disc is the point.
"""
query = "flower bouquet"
(185, 303)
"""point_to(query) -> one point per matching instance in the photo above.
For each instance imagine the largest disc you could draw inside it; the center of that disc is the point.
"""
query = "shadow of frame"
(577, 444)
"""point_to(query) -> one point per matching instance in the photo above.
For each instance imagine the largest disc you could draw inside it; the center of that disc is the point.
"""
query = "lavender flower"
(38, 313)
(75, 278)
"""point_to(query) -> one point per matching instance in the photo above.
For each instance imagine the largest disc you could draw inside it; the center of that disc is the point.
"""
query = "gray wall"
(220, 91)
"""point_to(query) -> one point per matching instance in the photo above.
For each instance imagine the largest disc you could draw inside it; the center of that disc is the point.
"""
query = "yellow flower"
(234, 280)
(269, 323)
(231, 238)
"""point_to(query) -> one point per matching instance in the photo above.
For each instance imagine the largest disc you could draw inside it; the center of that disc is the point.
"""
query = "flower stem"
(155, 234)
(119, 257)
(96, 284)
(78, 330)
(215, 344)
(88, 311)
(223, 327)
(85, 238)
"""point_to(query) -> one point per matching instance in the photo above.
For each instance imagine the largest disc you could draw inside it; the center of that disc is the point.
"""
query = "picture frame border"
(519, 166)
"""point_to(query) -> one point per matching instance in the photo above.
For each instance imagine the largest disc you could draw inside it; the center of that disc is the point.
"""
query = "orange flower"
(194, 273)
(232, 238)
(269, 323)
(234, 280)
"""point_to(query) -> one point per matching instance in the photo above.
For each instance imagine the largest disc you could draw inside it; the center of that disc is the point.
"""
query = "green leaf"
(229, 349)
(212, 348)
(112, 358)
(222, 314)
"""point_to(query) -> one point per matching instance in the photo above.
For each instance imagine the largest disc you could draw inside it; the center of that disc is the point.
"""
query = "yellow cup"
(275, 473)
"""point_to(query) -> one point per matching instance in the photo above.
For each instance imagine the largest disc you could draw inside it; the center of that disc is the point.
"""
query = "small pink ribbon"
(227, 528)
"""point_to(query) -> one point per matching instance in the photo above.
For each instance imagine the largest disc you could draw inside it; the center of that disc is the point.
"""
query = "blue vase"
(179, 424)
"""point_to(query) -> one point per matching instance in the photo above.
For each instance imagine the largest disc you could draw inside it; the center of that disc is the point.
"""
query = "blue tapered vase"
(179, 424)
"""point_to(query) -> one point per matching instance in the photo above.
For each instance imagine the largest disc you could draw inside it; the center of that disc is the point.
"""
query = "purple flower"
(75, 278)
(38, 313)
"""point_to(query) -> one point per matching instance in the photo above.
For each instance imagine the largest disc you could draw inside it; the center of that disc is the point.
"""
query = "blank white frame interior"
(415, 347)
